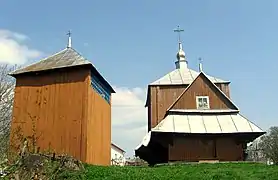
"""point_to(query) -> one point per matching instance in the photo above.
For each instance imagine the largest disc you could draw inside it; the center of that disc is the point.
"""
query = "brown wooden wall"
(161, 97)
(224, 87)
(98, 129)
(202, 87)
(62, 106)
(195, 149)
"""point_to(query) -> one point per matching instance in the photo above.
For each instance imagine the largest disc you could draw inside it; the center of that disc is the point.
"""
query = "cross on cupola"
(181, 62)
(69, 39)
(178, 30)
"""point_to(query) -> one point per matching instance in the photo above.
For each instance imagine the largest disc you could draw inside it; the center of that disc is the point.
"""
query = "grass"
(221, 171)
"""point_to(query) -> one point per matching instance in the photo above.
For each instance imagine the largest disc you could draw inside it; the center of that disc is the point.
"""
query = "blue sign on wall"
(100, 88)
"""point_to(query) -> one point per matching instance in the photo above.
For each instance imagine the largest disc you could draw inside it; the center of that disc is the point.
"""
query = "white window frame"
(202, 97)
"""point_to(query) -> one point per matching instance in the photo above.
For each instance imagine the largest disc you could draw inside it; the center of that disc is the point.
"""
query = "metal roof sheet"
(207, 123)
(183, 76)
(66, 58)
(145, 140)
(207, 111)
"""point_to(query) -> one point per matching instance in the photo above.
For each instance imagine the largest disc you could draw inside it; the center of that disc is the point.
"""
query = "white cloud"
(129, 117)
(13, 48)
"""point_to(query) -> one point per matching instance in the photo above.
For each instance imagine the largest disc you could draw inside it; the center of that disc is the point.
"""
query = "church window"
(202, 102)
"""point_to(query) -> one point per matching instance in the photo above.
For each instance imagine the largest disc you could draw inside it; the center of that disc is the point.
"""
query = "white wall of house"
(117, 156)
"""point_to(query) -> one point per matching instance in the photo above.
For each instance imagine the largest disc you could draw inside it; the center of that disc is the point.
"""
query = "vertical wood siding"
(201, 87)
(197, 148)
(52, 105)
(161, 98)
(68, 115)
(224, 87)
(98, 129)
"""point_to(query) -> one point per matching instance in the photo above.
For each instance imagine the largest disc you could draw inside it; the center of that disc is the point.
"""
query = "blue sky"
(132, 43)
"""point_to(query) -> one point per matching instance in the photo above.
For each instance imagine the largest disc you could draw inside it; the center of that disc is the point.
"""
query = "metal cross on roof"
(200, 64)
(178, 30)
(69, 39)
(69, 33)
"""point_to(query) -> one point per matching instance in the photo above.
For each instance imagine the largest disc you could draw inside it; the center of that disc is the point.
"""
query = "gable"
(202, 86)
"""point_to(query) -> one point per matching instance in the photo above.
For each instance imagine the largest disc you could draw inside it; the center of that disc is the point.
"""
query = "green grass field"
(229, 171)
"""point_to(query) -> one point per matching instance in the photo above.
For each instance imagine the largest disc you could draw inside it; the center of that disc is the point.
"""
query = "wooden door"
(207, 149)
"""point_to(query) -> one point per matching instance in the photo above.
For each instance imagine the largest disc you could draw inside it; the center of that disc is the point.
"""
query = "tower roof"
(183, 76)
(66, 58)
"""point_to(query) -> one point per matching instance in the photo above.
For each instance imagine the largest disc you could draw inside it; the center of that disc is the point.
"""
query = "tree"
(255, 152)
(7, 84)
(269, 144)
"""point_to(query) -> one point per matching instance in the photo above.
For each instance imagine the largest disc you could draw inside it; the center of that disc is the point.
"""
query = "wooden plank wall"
(98, 129)
(161, 97)
(54, 103)
(229, 150)
(193, 149)
(224, 87)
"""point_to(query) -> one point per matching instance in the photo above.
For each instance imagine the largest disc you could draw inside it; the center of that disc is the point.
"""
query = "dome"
(181, 55)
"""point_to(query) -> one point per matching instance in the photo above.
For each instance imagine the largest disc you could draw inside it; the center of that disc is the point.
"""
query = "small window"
(202, 102)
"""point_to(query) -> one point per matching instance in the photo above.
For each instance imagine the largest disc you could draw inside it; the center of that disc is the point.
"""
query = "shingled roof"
(68, 57)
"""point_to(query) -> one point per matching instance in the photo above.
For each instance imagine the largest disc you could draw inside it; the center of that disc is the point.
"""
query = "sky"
(132, 44)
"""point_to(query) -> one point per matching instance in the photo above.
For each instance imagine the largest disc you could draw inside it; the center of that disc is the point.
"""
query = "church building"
(192, 118)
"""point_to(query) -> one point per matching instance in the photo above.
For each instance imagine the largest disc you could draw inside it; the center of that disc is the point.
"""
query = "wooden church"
(192, 118)
(66, 103)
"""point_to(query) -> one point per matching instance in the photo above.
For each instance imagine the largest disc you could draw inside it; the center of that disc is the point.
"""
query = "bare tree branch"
(269, 145)
(7, 84)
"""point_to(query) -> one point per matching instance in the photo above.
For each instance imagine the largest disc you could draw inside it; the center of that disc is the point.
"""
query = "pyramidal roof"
(68, 57)
(183, 76)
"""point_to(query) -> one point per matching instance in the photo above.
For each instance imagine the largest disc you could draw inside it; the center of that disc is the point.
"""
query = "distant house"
(117, 155)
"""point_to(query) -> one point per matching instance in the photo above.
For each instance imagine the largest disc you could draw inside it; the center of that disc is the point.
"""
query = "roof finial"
(178, 30)
(200, 65)
(181, 62)
(69, 39)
